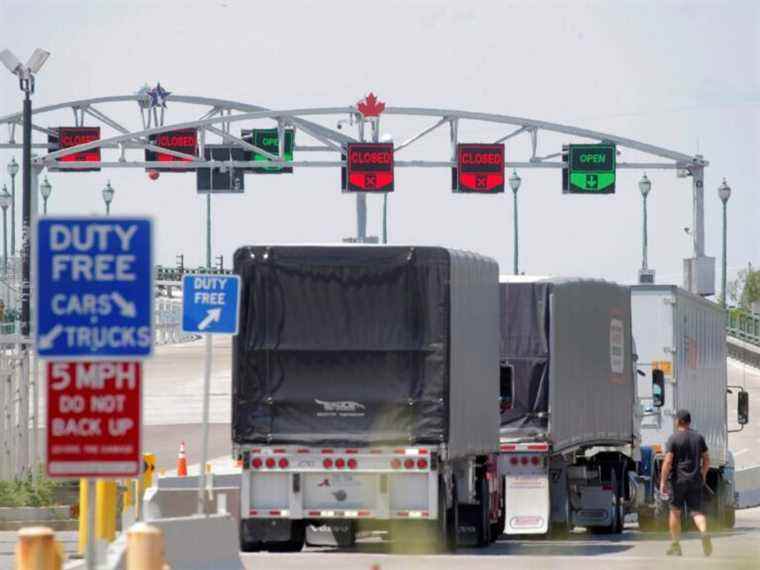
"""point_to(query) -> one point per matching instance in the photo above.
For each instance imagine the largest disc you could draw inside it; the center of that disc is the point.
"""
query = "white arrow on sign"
(48, 340)
(212, 316)
(126, 308)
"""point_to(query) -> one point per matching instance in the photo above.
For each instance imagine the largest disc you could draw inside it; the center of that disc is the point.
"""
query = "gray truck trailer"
(365, 389)
(569, 431)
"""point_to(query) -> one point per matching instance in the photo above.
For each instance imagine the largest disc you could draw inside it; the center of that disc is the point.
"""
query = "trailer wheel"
(729, 517)
(484, 498)
(247, 545)
(497, 528)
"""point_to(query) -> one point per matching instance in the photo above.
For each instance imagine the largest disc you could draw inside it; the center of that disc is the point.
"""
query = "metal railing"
(176, 273)
(743, 325)
(169, 322)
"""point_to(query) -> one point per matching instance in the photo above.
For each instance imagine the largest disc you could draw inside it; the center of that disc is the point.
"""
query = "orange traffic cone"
(182, 461)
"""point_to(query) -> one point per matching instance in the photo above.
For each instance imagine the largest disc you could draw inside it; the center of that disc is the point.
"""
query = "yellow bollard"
(145, 548)
(37, 549)
(82, 516)
(149, 468)
(105, 510)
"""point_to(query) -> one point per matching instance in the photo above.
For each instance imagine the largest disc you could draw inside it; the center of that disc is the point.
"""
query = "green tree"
(745, 289)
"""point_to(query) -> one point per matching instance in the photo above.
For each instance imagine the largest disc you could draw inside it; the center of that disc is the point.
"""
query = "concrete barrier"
(747, 487)
(190, 543)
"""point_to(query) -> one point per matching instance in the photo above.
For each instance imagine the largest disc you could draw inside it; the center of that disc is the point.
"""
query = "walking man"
(685, 467)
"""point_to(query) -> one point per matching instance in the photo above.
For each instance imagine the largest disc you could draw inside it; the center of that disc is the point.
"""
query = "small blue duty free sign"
(210, 304)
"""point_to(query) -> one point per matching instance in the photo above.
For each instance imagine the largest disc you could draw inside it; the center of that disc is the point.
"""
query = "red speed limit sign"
(94, 419)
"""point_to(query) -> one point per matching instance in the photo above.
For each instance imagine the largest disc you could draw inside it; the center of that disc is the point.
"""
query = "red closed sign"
(66, 137)
(182, 140)
(369, 167)
(94, 420)
(480, 168)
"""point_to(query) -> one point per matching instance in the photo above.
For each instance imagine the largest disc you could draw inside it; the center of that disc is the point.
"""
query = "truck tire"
(729, 517)
(484, 511)
(246, 544)
(497, 528)
(449, 533)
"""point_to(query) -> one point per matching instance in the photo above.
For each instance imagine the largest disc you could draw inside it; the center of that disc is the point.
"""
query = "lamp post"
(724, 193)
(514, 184)
(5, 201)
(25, 74)
(645, 185)
(45, 189)
(108, 193)
(208, 230)
(13, 170)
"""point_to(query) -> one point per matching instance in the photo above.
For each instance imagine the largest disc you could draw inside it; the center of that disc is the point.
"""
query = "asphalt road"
(172, 414)
(738, 549)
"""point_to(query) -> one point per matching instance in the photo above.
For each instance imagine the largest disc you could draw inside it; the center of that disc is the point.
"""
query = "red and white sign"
(94, 420)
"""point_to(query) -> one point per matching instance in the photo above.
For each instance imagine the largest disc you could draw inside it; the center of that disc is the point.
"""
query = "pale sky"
(681, 75)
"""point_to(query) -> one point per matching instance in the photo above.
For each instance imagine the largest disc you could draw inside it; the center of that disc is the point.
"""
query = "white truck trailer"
(569, 442)
(365, 388)
(681, 345)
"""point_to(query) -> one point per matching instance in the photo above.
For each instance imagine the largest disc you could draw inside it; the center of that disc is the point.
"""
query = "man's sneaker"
(674, 550)
(707, 545)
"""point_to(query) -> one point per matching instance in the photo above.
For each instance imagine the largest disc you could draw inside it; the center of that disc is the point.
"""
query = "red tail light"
(256, 463)
(535, 460)
(422, 464)
(284, 463)
(340, 463)
(353, 463)
(409, 463)
(327, 463)
(270, 463)
(396, 463)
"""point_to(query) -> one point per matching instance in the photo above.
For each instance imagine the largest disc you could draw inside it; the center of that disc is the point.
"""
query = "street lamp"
(724, 193)
(5, 201)
(108, 193)
(45, 189)
(514, 184)
(25, 74)
(12, 171)
(645, 185)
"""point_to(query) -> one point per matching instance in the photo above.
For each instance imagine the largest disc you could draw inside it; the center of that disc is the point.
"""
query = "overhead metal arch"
(222, 113)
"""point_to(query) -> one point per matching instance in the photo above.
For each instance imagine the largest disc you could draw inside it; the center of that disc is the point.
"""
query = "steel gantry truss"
(218, 116)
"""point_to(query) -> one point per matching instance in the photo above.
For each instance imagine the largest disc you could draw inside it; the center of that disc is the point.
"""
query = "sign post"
(209, 306)
(95, 324)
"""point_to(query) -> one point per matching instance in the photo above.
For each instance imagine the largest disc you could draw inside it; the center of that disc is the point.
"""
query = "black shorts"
(689, 495)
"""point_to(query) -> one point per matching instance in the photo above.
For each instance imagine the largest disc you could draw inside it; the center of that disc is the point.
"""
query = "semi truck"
(681, 343)
(366, 389)
(569, 427)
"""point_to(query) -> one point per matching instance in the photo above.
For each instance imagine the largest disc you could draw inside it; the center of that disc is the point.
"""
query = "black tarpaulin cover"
(346, 345)
(524, 323)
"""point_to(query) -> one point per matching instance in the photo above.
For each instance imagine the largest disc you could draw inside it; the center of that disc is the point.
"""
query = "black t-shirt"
(687, 448)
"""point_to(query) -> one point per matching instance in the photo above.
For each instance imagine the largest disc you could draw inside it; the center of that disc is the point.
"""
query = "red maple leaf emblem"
(370, 106)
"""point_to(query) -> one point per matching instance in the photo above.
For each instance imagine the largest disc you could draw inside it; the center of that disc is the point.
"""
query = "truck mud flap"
(747, 487)
(467, 529)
